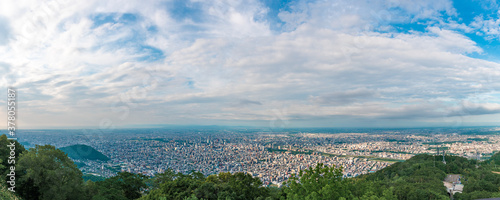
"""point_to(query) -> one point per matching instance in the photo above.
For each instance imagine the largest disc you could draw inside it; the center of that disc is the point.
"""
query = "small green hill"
(80, 151)
(421, 177)
(495, 159)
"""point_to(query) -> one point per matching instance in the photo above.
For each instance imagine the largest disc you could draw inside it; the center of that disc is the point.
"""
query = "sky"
(276, 64)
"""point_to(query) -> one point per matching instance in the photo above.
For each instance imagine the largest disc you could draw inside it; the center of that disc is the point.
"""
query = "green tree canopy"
(48, 174)
(5, 154)
(321, 182)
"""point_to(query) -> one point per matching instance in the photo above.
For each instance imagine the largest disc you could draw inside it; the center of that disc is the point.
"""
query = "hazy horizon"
(272, 129)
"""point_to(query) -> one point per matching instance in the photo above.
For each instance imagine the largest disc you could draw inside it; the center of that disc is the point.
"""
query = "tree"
(178, 188)
(168, 175)
(321, 182)
(125, 185)
(48, 173)
(237, 186)
(495, 159)
(5, 154)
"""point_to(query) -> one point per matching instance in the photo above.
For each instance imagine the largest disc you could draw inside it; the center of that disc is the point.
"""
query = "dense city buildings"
(273, 156)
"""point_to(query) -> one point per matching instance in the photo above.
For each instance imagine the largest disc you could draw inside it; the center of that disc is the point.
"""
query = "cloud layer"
(308, 63)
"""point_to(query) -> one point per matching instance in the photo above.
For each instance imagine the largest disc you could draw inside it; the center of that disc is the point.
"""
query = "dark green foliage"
(81, 152)
(107, 191)
(234, 186)
(5, 154)
(321, 182)
(420, 177)
(93, 178)
(125, 186)
(167, 176)
(475, 195)
(179, 186)
(495, 159)
(237, 186)
(47, 173)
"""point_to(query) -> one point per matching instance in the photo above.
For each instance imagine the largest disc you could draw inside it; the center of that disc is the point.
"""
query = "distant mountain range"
(82, 152)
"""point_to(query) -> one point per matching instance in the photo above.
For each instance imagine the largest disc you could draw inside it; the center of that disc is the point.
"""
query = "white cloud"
(489, 27)
(363, 15)
(290, 68)
(329, 63)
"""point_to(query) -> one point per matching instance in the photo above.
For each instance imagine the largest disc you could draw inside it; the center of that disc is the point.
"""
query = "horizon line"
(153, 126)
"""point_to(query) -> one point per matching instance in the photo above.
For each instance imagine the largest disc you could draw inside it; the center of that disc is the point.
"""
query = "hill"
(421, 177)
(80, 151)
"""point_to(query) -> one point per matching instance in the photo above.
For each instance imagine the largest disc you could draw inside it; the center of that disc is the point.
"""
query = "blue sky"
(293, 63)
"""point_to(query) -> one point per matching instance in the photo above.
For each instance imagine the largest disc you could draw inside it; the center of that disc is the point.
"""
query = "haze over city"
(251, 63)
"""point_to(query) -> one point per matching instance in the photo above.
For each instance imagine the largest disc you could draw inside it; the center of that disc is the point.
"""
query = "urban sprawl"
(273, 156)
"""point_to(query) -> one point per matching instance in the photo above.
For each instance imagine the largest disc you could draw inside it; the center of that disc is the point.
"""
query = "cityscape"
(271, 156)
(250, 100)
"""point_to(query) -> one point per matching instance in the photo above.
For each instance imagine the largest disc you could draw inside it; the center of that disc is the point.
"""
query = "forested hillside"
(82, 152)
